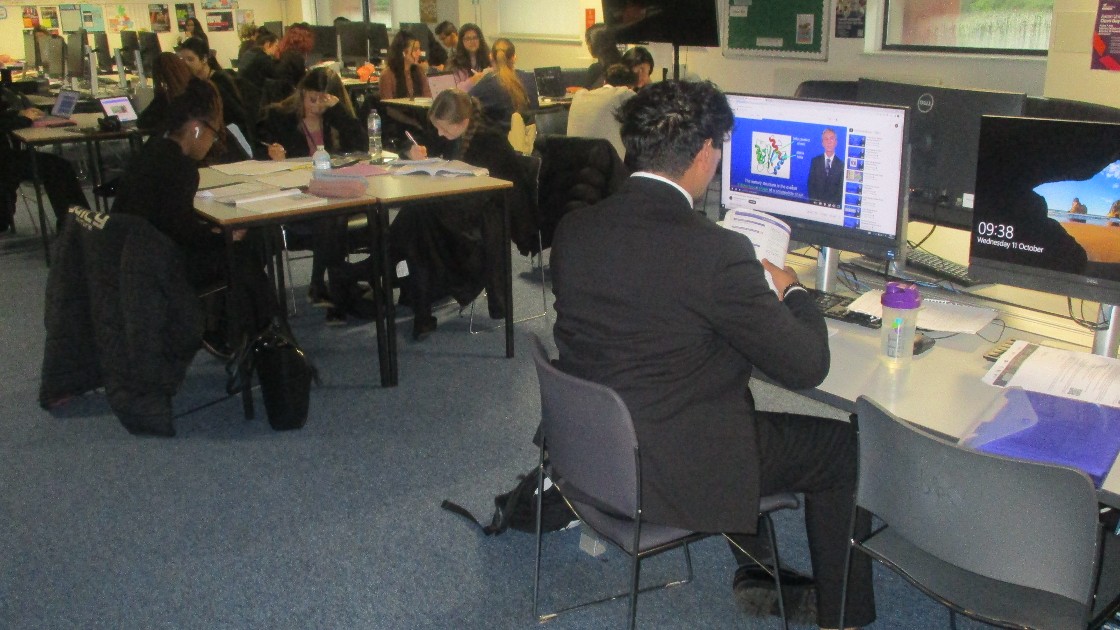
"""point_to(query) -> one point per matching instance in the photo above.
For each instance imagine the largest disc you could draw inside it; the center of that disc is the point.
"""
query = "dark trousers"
(59, 182)
(254, 296)
(817, 457)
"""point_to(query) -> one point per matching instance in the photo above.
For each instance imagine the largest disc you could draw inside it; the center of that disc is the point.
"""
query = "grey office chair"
(595, 461)
(1008, 542)
(531, 164)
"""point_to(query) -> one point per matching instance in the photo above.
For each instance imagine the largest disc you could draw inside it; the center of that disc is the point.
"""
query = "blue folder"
(1045, 428)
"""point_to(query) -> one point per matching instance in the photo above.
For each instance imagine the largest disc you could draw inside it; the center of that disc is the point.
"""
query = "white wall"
(1068, 74)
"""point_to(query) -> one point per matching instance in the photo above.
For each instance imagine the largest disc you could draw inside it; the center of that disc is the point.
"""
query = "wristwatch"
(793, 286)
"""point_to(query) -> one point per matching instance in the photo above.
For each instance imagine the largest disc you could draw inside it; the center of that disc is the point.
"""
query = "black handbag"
(284, 372)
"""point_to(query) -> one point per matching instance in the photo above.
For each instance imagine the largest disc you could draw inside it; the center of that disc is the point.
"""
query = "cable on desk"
(925, 238)
(1002, 329)
(1083, 321)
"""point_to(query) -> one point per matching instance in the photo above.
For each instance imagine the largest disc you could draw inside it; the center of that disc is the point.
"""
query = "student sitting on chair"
(196, 55)
(170, 75)
(471, 60)
(291, 61)
(57, 176)
(602, 46)
(318, 113)
(454, 247)
(160, 185)
(502, 91)
(592, 114)
(640, 61)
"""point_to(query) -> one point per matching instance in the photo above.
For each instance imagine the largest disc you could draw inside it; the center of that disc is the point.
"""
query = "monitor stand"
(1105, 340)
(827, 263)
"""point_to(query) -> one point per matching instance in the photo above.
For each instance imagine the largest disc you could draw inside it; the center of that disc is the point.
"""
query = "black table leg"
(35, 179)
(507, 270)
(233, 317)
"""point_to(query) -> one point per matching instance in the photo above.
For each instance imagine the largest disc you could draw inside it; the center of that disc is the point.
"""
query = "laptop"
(64, 107)
(440, 82)
(550, 83)
(121, 107)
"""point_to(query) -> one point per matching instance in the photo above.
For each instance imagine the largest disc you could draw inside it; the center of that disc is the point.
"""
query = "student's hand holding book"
(782, 277)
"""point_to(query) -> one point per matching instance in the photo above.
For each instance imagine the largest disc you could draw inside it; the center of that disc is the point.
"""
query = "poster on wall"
(244, 16)
(1106, 37)
(48, 19)
(121, 19)
(182, 12)
(851, 18)
(160, 17)
(428, 11)
(219, 4)
(217, 21)
(69, 17)
(30, 17)
(93, 18)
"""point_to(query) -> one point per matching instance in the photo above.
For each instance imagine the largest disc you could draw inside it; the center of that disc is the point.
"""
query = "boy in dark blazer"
(673, 312)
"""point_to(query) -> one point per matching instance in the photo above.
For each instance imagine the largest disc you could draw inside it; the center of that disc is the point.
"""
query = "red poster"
(1106, 36)
(588, 18)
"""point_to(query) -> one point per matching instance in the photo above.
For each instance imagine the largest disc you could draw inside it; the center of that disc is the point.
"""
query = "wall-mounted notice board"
(778, 28)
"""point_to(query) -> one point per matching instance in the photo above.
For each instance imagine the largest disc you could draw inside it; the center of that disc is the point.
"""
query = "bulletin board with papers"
(777, 28)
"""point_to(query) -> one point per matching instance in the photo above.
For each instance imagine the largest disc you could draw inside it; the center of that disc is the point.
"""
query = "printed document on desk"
(436, 166)
(1078, 375)
(937, 315)
(254, 167)
(283, 204)
(768, 234)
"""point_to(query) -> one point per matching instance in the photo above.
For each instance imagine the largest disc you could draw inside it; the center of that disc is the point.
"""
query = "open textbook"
(436, 166)
(768, 234)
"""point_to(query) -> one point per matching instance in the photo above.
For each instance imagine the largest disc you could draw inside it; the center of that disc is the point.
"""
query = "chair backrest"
(575, 172)
(1025, 523)
(592, 447)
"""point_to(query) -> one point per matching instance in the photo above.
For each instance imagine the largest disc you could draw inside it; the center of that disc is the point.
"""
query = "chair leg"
(952, 620)
(635, 571)
(537, 564)
(769, 523)
(292, 309)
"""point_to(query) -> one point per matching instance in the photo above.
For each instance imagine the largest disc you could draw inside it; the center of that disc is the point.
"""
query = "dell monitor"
(104, 53)
(835, 172)
(274, 27)
(326, 43)
(360, 42)
(944, 126)
(31, 56)
(130, 42)
(149, 50)
(1047, 211)
(52, 53)
(76, 53)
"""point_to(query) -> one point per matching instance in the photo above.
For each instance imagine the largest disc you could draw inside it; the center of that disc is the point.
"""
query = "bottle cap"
(901, 295)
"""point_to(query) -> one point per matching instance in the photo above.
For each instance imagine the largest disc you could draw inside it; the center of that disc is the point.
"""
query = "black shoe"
(215, 343)
(318, 296)
(336, 317)
(756, 595)
(423, 326)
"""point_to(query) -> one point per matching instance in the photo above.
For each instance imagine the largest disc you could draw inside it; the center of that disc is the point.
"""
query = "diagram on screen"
(771, 154)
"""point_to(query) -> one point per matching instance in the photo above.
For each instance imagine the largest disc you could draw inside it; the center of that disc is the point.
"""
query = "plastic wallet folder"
(1051, 429)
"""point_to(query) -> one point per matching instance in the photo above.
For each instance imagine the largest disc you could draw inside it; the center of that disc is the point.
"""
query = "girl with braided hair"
(454, 247)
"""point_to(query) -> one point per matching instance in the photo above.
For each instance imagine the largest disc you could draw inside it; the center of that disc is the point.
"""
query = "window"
(969, 26)
(379, 11)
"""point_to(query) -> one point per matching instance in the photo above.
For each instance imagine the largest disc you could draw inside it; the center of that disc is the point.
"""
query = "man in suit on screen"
(826, 172)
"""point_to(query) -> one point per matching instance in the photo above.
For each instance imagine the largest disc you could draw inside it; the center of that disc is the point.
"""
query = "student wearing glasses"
(471, 61)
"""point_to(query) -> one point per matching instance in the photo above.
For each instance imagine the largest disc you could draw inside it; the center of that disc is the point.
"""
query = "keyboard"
(835, 307)
(938, 266)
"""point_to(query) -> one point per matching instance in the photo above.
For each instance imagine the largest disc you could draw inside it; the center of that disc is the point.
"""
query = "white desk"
(941, 390)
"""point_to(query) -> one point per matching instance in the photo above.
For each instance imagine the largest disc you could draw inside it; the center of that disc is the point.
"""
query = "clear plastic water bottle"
(373, 124)
(321, 160)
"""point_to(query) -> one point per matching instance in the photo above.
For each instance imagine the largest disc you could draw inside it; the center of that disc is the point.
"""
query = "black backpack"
(517, 508)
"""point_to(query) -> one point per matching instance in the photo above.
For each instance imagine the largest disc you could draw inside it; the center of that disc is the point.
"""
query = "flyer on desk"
(1078, 375)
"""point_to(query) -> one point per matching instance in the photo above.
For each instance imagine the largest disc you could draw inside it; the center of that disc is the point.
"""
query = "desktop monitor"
(361, 41)
(944, 126)
(775, 161)
(275, 27)
(104, 53)
(378, 40)
(31, 49)
(1028, 230)
(149, 50)
(679, 22)
(52, 53)
(130, 42)
(326, 43)
(76, 53)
